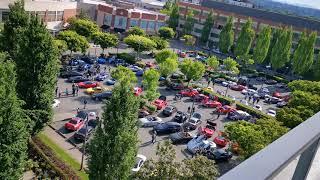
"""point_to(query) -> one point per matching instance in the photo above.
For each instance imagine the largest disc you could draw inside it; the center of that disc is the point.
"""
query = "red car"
(150, 64)
(74, 124)
(208, 131)
(189, 92)
(183, 54)
(220, 141)
(87, 84)
(277, 94)
(237, 87)
(200, 97)
(137, 91)
(225, 109)
(211, 104)
(161, 102)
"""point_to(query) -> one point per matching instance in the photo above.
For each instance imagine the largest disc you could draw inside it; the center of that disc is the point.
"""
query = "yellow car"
(208, 89)
(95, 90)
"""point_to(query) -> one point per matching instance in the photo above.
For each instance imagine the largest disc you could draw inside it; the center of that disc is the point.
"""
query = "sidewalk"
(66, 146)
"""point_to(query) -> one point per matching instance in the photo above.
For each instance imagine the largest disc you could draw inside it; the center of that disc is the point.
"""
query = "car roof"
(172, 123)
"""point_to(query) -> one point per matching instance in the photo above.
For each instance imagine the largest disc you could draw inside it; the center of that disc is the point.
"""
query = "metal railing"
(301, 142)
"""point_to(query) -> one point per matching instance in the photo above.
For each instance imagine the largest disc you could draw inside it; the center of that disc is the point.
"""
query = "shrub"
(127, 58)
(151, 108)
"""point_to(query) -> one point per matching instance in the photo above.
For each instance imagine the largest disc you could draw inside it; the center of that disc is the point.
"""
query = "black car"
(251, 86)
(77, 79)
(68, 74)
(93, 122)
(102, 96)
(167, 128)
(82, 114)
(271, 82)
(88, 60)
(180, 137)
(81, 134)
(180, 117)
(169, 110)
(243, 81)
(219, 155)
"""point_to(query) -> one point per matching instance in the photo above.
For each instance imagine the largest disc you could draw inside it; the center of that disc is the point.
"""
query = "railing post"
(305, 162)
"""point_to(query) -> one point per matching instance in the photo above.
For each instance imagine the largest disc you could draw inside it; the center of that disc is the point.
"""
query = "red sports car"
(160, 103)
(211, 104)
(189, 92)
(137, 91)
(200, 97)
(225, 109)
(74, 124)
(208, 131)
(277, 94)
(87, 84)
(220, 141)
(237, 87)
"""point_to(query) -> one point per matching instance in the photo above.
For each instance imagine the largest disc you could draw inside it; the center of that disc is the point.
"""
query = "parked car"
(176, 86)
(102, 96)
(160, 102)
(139, 73)
(150, 121)
(55, 103)
(167, 128)
(84, 67)
(87, 84)
(225, 109)
(211, 104)
(101, 76)
(237, 87)
(88, 60)
(261, 79)
(271, 82)
(135, 68)
(180, 117)
(245, 102)
(76, 79)
(74, 124)
(239, 115)
(189, 92)
(207, 131)
(199, 143)
(282, 104)
(277, 94)
(273, 100)
(249, 91)
(94, 90)
(219, 155)
(143, 113)
(181, 137)
(111, 81)
(243, 81)
(194, 121)
(139, 162)
(68, 74)
(258, 107)
(169, 110)
(220, 141)
(137, 91)
(272, 113)
(200, 97)
(80, 135)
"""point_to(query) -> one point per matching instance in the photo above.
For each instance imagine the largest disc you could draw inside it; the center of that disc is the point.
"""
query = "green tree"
(189, 23)
(231, 65)
(150, 84)
(116, 135)
(260, 51)
(169, 66)
(167, 8)
(123, 73)
(226, 37)
(105, 40)
(13, 144)
(136, 31)
(165, 54)
(37, 69)
(304, 54)
(280, 54)
(245, 39)
(61, 45)
(84, 27)
(173, 21)
(200, 167)
(316, 68)
(275, 35)
(17, 22)
(166, 32)
(189, 40)
(192, 70)
(139, 43)
(207, 28)
(160, 42)
(74, 41)
(213, 62)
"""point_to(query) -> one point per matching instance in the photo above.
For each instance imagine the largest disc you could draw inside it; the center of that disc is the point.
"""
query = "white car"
(244, 102)
(150, 121)
(249, 91)
(225, 84)
(198, 143)
(55, 103)
(258, 107)
(264, 90)
(272, 113)
(195, 119)
(139, 162)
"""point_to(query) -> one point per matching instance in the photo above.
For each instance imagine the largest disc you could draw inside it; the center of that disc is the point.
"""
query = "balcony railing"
(291, 156)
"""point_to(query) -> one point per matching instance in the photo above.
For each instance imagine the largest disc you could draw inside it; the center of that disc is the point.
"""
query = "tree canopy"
(213, 62)
(189, 40)
(84, 27)
(207, 28)
(105, 40)
(139, 43)
(166, 32)
(231, 65)
(226, 37)
(61, 45)
(192, 70)
(75, 42)
(136, 31)
(173, 21)
(122, 73)
(245, 39)
(261, 49)
(189, 23)
(167, 67)
(165, 54)
(150, 84)
(160, 42)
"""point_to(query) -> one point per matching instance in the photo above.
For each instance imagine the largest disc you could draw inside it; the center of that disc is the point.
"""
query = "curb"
(62, 135)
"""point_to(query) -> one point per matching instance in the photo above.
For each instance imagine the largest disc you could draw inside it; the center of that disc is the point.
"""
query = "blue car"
(102, 76)
(162, 78)
(139, 73)
(102, 61)
(111, 81)
(84, 67)
(75, 62)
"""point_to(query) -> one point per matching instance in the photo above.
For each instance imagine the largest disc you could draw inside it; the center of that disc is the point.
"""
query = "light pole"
(84, 143)
(119, 36)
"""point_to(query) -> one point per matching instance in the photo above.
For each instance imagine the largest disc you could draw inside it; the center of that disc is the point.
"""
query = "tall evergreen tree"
(207, 28)
(37, 69)
(280, 54)
(245, 39)
(226, 36)
(275, 33)
(304, 54)
(113, 149)
(262, 45)
(189, 23)
(173, 21)
(13, 133)
(13, 27)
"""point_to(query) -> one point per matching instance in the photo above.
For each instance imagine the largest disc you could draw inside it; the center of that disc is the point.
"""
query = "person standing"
(218, 114)
(57, 89)
(77, 89)
(85, 104)
(193, 110)
(154, 137)
(189, 108)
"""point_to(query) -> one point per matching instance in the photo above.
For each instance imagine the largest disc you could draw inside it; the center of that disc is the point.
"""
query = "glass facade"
(120, 22)
(151, 25)
(134, 22)
(143, 24)
(107, 19)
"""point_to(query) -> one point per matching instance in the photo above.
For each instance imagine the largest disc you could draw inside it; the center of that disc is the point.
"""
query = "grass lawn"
(61, 154)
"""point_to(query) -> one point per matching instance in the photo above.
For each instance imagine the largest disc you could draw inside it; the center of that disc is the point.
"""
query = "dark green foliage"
(84, 27)
(173, 21)
(112, 151)
(207, 28)
(13, 125)
(226, 37)
(165, 54)
(151, 83)
(262, 45)
(105, 40)
(37, 69)
(140, 43)
(245, 39)
(74, 41)
(166, 32)
(192, 70)
(160, 42)
(189, 23)
(136, 31)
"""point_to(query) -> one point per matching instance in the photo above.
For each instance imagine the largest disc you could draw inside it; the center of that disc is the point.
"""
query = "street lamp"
(84, 142)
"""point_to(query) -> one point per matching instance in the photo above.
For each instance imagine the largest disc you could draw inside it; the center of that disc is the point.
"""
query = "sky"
(307, 3)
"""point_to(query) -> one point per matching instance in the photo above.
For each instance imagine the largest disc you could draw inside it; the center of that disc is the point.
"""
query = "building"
(260, 18)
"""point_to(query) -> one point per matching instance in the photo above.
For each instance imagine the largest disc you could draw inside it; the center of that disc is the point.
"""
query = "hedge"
(222, 99)
(252, 111)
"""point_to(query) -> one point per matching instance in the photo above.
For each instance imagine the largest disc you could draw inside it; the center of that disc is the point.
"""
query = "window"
(151, 25)
(120, 22)
(160, 24)
(133, 22)
(143, 24)
(197, 30)
(5, 16)
(107, 19)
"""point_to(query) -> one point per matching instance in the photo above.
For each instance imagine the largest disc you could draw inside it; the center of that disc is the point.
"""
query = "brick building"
(260, 18)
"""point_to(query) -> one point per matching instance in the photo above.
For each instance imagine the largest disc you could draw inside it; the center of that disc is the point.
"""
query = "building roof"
(49, 5)
(287, 20)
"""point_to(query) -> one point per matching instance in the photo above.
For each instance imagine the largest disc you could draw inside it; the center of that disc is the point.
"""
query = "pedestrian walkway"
(63, 144)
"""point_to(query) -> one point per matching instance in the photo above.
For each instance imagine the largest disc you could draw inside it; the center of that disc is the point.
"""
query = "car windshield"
(193, 121)
(152, 119)
(82, 114)
(138, 163)
(196, 115)
(73, 121)
(168, 108)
